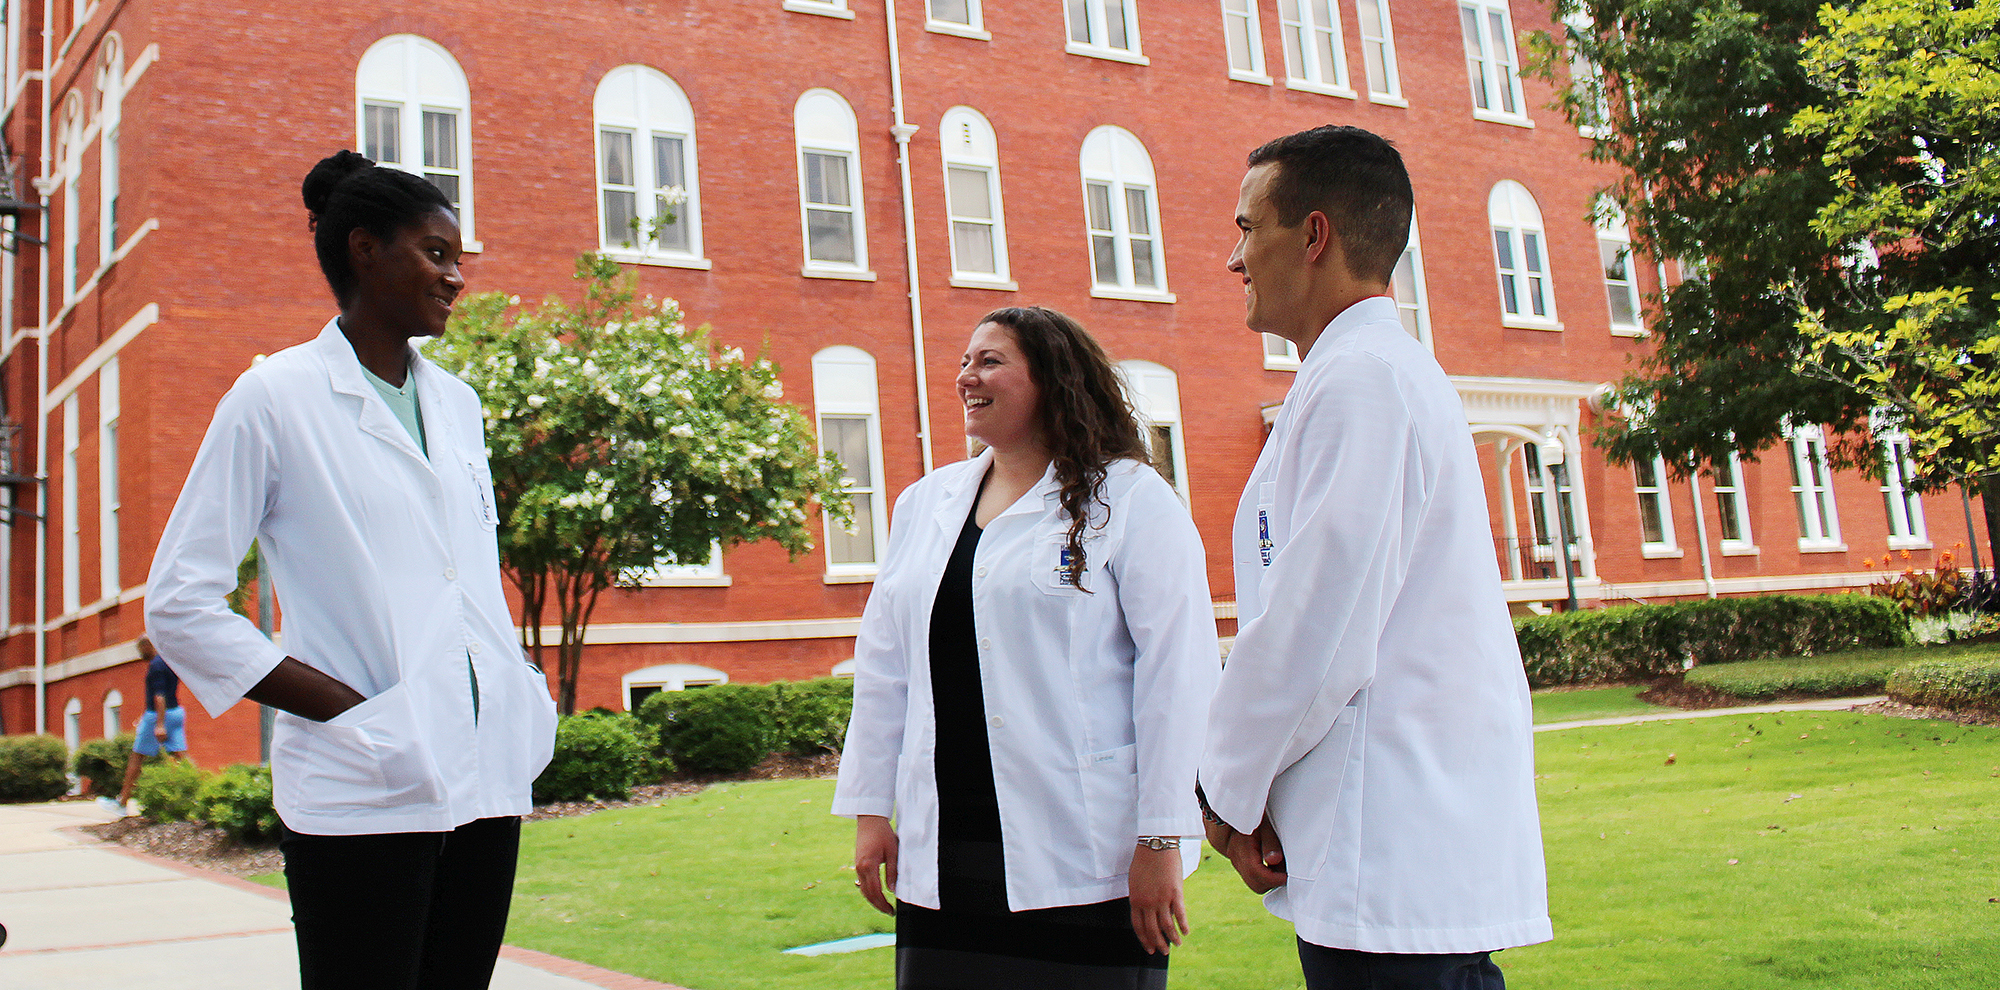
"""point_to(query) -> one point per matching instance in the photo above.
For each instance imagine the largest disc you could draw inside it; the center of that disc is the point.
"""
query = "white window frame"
(668, 677)
(415, 74)
(1512, 213)
(845, 385)
(1587, 74)
(107, 478)
(1280, 354)
(1116, 160)
(974, 25)
(1306, 40)
(1661, 499)
(73, 724)
(1155, 394)
(70, 157)
(1390, 92)
(113, 712)
(1241, 25)
(707, 574)
(824, 8)
(1413, 302)
(72, 524)
(1614, 235)
(1812, 491)
(1906, 524)
(968, 144)
(823, 124)
(1493, 65)
(649, 105)
(111, 88)
(1731, 490)
(1095, 42)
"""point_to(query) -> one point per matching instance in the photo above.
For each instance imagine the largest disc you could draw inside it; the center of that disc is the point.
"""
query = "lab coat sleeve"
(1162, 578)
(874, 744)
(1350, 482)
(217, 653)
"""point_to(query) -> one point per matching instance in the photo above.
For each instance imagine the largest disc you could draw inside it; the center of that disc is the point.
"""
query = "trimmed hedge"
(170, 791)
(33, 768)
(600, 754)
(1636, 642)
(812, 715)
(1828, 677)
(102, 762)
(238, 801)
(728, 728)
(1971, 683)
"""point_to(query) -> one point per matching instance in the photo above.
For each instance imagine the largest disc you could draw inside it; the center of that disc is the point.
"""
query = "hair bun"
(327, 176)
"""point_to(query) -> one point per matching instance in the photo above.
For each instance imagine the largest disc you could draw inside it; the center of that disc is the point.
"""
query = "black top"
(161, 682)
(968, 808)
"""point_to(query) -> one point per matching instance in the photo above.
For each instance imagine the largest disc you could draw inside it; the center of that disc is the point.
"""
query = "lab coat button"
(473, 649)
(451, 574)
(985, 644)
(981, 572)
(996, 721)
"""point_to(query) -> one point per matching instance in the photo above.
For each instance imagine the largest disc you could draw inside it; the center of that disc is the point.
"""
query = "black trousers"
(1347, 969)
(402, 910)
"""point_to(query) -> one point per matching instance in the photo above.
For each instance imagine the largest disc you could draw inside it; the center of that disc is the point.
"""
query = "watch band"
(1157, 842)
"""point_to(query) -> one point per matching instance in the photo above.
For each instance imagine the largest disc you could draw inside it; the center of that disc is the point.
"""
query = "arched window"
(413, 111)
(636, 686)
(69, 159)
(1614, 250)
(848, 404)
(1526, 296)
(647, 200)
(1122, 214)
(111, 94)
(972, 197)
(830, 209)
(1155, 392)
(114, 713)
(73, 724)
(1407, 284)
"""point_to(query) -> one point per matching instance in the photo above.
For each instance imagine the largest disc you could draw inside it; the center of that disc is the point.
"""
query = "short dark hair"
(1353, 176)
(346, 190)
(1086, 418)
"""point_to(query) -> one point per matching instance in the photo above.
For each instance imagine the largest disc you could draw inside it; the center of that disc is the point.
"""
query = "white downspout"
(903, 130)
(1701, 527)
(42, 398)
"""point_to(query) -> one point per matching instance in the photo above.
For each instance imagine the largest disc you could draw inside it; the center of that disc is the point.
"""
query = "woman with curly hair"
(1032, 676)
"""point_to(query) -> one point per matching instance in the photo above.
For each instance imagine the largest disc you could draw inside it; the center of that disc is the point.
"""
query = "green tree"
(621, 440)
(1911, 122)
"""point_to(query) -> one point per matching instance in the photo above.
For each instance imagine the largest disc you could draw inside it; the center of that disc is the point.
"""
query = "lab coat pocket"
(1111, 798)
(481, 475)
(540, 737)
(1304, 798)
(369, 756)
(1052, 560)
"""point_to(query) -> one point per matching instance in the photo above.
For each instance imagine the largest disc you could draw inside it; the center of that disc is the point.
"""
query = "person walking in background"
(162, 727)
(411, 726)
(1031, 676)
(1370, 760)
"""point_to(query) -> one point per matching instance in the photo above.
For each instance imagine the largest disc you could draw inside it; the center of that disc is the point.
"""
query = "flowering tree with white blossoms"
(621, 440)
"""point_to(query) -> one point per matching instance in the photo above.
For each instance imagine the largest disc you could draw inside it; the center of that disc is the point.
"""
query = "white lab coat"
(386, 565)
(1374, 703)
(1094, 702)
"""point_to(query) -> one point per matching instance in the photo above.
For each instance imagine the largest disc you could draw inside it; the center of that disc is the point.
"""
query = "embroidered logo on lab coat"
(1266, 549)
(1061, 577)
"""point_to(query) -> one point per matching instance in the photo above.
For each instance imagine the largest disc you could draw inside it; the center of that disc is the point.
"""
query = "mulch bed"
(205, 846)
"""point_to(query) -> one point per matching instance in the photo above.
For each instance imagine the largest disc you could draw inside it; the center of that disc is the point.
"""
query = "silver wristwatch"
(1160, 841)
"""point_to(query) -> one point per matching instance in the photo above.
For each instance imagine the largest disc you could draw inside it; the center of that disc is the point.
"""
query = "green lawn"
(1561, 705)
(1849, 672)
(1863, 857)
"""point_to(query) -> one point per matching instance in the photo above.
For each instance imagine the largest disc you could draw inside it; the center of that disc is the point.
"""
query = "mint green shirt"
(403, 402)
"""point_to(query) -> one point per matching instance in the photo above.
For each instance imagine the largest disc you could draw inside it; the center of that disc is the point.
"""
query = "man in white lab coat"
(1369, 764)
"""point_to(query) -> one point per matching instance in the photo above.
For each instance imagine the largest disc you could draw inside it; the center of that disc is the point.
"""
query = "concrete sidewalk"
(1819, 705)
(82, 915)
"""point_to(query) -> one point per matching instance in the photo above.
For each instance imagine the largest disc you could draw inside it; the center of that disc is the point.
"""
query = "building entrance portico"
(1528, 432)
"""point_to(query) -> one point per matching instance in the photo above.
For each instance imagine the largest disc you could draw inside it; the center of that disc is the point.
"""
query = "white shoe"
(111, 805)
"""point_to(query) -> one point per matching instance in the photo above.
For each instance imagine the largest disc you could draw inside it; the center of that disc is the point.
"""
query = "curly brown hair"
(1086, 418)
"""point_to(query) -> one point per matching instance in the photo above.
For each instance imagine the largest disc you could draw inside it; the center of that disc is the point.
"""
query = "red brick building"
(863, 181)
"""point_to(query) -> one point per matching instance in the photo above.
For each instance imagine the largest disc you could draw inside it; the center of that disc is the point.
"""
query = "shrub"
(1829, 677)
(727, 728)
(102, 762)
(32, 768)
(602, 754)
(1635, 642)
(170, 791)
(812, 715)
(1970, 683)
(238, 801)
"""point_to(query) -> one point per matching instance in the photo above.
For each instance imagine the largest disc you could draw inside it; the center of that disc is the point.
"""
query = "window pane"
(1329, 71)
(440, 140)
(857, 547)
(383, 132)
(1644, 475)
(1503, 247)
(617, 157)
(826, 179)
(1475, 57)
(972, 247)
(669, 169)
(1296, 42)
(447, 184)
(831, 235)
(1142, 263)
(1503, 76)
(1649, 520)
(1162, 441)
(669, 162)
(1138, 219)
(1531, 250)
(1097, 202)
(846, 437)
(1079, 21)
(1236, 32)
(1104, 259)
(1378, 71)
(952, 11)
(970, 193)
(1114, 21)
(621, 209)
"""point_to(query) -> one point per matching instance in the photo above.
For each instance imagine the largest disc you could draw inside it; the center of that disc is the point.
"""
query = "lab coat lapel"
(955, 501)
(344, 373)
